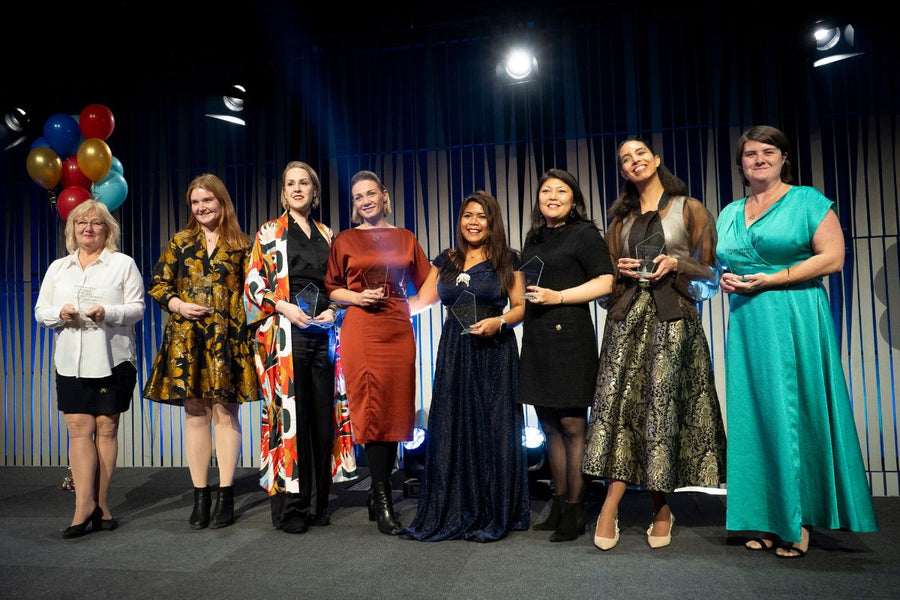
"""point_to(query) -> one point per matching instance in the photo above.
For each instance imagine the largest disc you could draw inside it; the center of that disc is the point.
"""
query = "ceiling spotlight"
(233, 100)
(520, 64)
(826, 37)
(12, 133)
(833, 43)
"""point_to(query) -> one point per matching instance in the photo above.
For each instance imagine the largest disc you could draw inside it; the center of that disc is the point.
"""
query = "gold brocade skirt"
(656, 421)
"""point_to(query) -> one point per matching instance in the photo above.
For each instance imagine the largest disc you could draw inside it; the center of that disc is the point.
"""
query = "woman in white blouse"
(91, 299)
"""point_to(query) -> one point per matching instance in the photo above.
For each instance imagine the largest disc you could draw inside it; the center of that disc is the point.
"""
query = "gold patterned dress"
(656, 420)
(210, 357)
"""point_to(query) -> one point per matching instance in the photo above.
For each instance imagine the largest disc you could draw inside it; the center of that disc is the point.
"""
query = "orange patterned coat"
(266, 283)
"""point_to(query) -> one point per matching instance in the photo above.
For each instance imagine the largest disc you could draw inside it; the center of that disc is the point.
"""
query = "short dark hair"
(765, 134)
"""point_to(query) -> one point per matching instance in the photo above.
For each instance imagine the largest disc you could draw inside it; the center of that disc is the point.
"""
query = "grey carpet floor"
(154, 554)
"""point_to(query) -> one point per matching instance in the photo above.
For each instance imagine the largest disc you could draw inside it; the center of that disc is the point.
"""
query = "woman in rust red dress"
(368, 271)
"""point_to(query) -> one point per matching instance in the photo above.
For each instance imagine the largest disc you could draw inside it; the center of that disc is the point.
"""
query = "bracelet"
(562, 299)
(789, 276)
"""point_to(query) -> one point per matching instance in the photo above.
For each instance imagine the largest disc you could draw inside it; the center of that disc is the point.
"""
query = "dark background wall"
(412, 93)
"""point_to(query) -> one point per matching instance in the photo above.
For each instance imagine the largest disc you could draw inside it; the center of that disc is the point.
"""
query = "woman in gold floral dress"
(205, 362)
(656, 421)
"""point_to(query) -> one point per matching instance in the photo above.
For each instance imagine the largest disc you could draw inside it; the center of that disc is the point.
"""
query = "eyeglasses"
(91, 224)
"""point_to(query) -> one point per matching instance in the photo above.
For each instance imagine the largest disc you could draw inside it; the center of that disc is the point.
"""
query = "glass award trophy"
(647, 251)
(464, 311)
(376, 277)
(532, 270)
(308, 299)
(86, 296)
(202, 291)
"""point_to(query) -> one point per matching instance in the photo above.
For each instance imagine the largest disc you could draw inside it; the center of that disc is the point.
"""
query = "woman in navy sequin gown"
(475, 485)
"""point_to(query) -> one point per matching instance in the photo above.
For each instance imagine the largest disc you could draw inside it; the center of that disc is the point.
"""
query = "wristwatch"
(503, 325)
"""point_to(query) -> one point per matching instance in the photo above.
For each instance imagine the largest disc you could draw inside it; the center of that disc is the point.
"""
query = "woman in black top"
(286, 302)
(559, 350)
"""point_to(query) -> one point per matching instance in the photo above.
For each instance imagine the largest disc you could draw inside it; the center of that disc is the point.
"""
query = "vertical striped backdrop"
(431, 116)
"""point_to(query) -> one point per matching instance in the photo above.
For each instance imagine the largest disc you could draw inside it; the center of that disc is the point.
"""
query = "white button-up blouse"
(82, 348)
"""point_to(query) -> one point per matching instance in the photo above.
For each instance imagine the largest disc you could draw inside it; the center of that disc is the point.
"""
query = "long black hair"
(578, 213)
(629, 199)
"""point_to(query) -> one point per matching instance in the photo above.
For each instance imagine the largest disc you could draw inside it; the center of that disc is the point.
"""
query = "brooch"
(463, 278)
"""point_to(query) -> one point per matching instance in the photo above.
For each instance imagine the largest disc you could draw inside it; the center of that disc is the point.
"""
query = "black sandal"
(798, 552)
(763, 546)
(791, 548)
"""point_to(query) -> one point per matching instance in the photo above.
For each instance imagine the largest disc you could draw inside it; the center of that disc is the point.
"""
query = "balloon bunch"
(73, 151)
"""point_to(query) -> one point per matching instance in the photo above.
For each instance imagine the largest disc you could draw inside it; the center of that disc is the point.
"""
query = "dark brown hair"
(496, 248)
(764, 134)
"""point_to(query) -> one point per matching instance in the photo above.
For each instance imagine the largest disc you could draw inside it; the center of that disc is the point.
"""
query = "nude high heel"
(661, 541)
(605, 543)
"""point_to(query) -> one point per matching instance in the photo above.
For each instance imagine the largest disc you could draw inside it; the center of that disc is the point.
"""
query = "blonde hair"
(313, 178)
(367, 176)
(230, 233)
(113, 231)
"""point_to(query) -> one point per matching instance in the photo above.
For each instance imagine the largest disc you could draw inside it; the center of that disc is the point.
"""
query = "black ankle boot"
(200, 515)
(557, 505)
(382, 508)
(223, 513)
(571, 525)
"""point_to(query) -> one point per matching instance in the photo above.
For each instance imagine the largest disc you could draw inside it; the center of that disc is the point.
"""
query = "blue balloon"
(111, 191)
(62, 134)
(41, 142)
(117, 167)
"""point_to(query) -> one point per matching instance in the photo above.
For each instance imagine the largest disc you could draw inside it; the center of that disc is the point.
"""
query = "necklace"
(777, 196)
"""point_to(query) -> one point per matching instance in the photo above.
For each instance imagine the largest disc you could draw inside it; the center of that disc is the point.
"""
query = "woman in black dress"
(558, 364)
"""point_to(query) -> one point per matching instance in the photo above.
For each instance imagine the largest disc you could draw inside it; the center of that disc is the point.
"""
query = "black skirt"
(97, 395)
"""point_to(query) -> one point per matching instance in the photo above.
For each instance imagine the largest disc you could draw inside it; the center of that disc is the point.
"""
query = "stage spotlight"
(535, 444)
(12, 132)
(833, 43)
(414, 462)
(519, 65)
(234, 102)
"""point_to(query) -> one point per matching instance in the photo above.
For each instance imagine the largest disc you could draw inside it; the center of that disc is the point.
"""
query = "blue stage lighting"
(416, 442)
(532, 437)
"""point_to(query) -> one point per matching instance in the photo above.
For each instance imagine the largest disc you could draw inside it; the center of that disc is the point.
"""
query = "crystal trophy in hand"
(85, 297)
(202, 291)
(376, 277)
(464, 311)
(647, 251)
(308, 301)
(532, 270)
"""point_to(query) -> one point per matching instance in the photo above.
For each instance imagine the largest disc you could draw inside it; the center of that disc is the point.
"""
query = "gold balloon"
(94, 158)
(44, 167)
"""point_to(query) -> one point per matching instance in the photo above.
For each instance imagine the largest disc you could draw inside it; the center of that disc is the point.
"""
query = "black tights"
(381, 457)
(566, 430)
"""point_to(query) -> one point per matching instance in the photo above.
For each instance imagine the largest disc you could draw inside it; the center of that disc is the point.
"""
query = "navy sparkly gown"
(475, 484)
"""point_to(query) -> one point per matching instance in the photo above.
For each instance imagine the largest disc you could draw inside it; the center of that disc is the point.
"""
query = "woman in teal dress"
(794, 460)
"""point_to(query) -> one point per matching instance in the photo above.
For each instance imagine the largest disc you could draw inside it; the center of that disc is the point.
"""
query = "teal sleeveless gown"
(793, 454)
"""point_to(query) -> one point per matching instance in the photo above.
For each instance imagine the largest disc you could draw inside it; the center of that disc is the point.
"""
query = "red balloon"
(96, 121)
(69, 198)
(72, 175)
